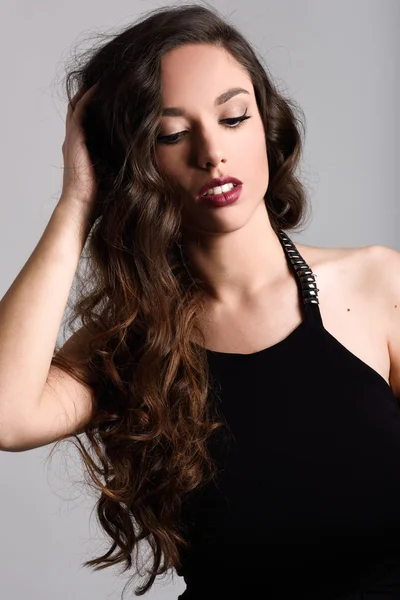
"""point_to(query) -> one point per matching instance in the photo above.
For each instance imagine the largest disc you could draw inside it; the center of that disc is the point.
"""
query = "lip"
(218, 181)
(224, 199)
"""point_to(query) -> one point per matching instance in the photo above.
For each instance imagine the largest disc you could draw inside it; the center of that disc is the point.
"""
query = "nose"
(209, 151)
(213, 161)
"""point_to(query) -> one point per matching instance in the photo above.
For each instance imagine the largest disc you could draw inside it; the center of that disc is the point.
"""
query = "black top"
(307, 500)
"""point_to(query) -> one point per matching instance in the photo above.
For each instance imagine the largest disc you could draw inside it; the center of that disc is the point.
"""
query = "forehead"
(199, 71)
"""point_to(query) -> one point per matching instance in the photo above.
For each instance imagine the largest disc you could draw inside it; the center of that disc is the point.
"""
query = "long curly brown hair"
(139, 298)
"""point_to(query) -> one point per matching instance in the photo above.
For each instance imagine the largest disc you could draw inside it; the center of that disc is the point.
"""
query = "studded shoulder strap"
(304, 276)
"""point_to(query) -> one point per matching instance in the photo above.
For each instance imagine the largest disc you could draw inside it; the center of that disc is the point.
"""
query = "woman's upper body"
(306, 497)
(183, 100)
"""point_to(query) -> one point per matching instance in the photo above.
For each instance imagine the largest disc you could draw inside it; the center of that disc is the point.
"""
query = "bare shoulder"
(384, 283)
(381, 281)
(365, 278)
(372, 271)
(342, 257)
(365, 265)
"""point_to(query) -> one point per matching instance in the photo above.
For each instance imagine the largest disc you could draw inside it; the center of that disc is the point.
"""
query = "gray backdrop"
(338, 58)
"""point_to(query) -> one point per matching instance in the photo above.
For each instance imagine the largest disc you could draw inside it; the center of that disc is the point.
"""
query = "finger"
(80, 98)
(85, 93)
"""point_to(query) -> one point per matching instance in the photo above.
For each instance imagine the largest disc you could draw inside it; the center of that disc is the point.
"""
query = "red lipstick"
(218, 181)
(225, 197)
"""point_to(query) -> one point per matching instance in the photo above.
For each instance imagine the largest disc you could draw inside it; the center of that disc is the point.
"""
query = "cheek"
(254, 153)
(172, 166)
(168, 162)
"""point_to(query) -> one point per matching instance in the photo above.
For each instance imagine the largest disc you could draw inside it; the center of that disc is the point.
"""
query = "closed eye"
(232, 123)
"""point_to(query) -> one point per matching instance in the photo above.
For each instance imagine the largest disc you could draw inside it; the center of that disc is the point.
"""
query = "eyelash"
(166, 139)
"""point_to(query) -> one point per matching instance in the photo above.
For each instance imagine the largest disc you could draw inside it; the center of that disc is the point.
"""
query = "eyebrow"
(174, 111)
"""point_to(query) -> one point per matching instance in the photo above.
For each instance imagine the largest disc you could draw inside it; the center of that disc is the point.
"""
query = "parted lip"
(218, 181)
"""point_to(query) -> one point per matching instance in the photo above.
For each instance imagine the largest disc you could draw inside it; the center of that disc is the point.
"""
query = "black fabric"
(306, 503)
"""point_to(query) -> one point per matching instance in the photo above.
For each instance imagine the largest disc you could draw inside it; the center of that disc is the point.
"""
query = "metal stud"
(301, 269)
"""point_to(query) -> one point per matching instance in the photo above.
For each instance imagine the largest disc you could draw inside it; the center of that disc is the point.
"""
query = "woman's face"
(202, 145)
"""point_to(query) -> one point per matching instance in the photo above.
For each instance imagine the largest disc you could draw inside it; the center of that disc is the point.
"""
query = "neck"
(236, 266)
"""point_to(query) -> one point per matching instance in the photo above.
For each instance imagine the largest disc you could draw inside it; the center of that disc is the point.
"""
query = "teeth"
(220, 189)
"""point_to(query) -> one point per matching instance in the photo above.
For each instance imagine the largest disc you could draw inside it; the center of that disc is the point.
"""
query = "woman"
(242, 417)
